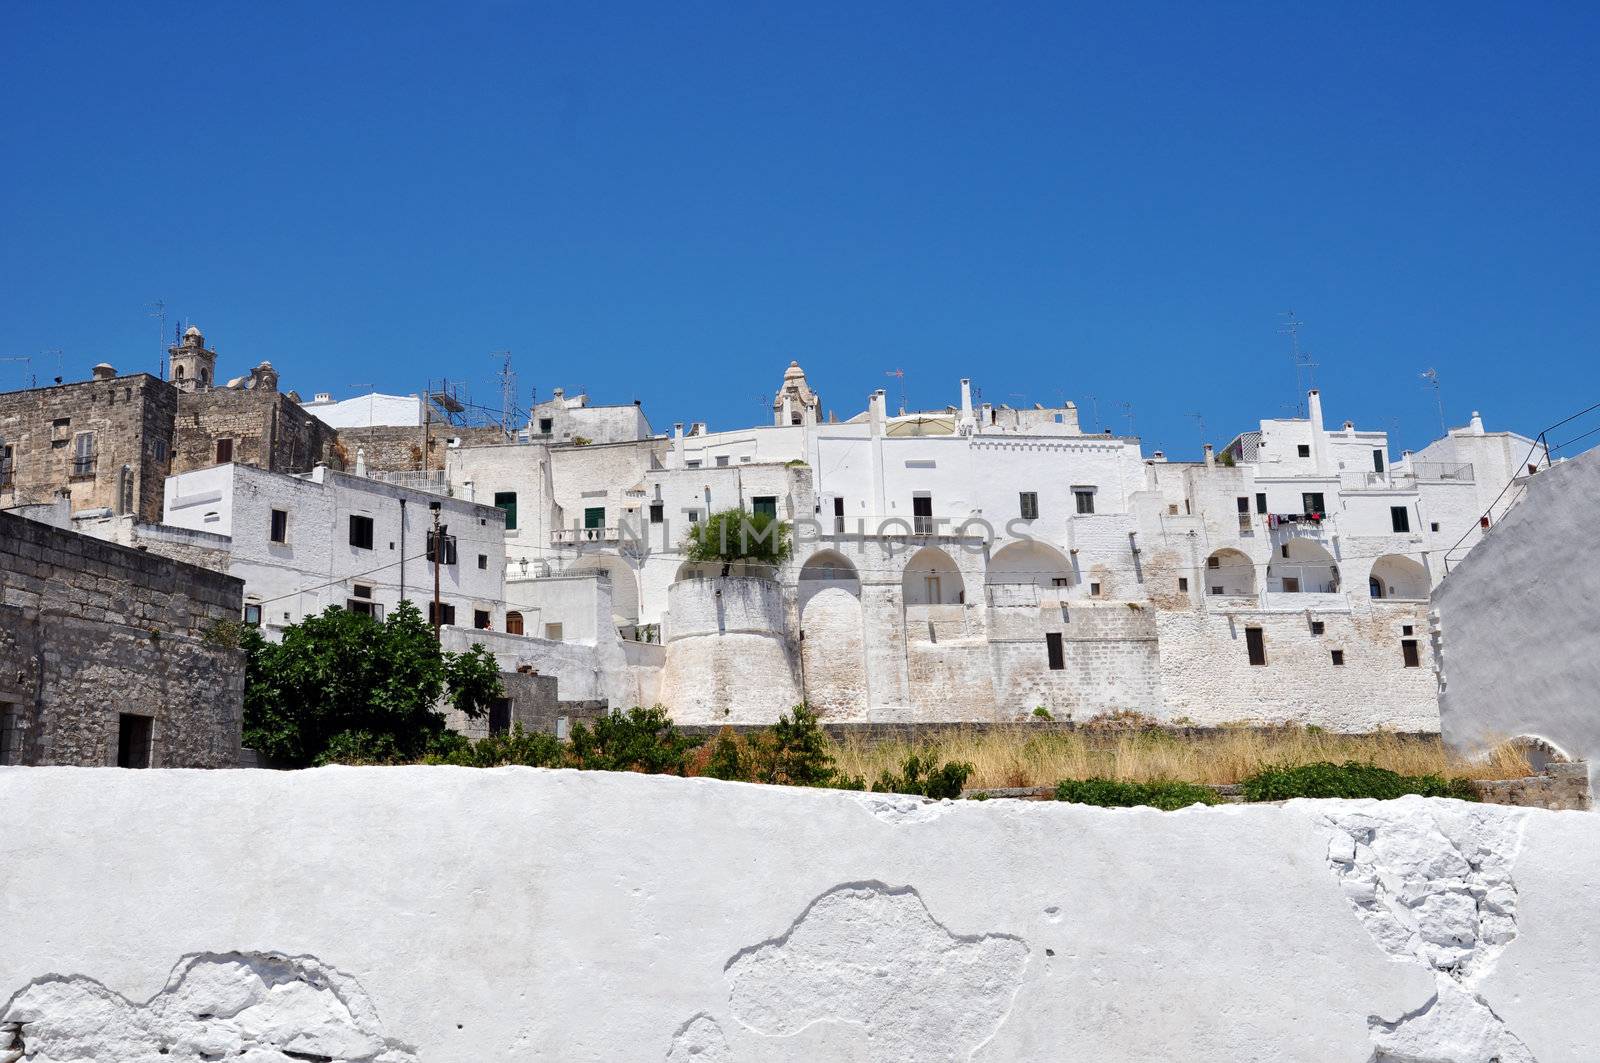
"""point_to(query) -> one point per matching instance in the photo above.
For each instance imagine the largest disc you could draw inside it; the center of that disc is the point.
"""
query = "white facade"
(261, 915)
(366, 411)
(345, 541)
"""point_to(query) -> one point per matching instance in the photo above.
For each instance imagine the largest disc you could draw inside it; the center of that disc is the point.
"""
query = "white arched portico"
(1398, 576)
(823, 570)
(1230, 572)
(1303, 566)
(932, 578)
(1030, 561)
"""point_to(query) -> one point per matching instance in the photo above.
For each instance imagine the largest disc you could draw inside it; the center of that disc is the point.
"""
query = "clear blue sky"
(669, 202)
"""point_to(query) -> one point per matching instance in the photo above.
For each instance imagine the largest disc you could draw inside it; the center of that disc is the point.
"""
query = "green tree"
(342, 688)
(734, 535)
(644, 740)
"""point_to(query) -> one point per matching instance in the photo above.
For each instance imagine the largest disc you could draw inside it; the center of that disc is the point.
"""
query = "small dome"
(192, 330)
(794, 372)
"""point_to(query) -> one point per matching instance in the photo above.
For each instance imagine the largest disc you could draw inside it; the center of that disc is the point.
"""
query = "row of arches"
(1305, 566)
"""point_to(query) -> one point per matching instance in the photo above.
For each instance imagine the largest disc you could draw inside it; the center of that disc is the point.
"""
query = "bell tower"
(194, 368)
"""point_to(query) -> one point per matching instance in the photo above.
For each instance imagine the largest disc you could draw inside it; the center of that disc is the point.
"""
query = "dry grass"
(1024, 756)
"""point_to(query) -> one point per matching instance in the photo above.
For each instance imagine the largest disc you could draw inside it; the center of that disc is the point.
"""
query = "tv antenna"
(508, 391)
(1291, 327)
(901, 373)
(1200, 419)
(1094, 411)
(1127, 411)
(1431, 375)
(158, 310)
(27, 368)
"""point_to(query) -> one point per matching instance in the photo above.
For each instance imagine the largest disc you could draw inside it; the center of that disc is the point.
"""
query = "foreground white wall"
(437, 914)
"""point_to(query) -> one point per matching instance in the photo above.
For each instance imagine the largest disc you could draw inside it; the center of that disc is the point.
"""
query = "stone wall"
(90, 631)
(399, 448)
(131, 418)
(743, 923)
(268, 430)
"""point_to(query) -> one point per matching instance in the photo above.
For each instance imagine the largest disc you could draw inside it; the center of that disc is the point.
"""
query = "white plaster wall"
(881, 930)
(1517, 621)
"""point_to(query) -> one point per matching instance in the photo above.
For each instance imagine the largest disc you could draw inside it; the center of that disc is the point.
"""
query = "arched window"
(513, 623)
(177, 372)
(1375, 587)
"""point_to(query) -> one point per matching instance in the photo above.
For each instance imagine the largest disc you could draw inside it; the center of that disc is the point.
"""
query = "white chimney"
(677, 445)
(1477, 423)
(876, 407)
(361, 461)
(1211, 455)
(966, 401)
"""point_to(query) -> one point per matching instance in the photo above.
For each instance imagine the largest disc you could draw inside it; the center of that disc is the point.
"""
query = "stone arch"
(1030, 561)
(823, 570)
(833, 661)
(932, 578)
(624, 584)
(1230, 572)
(1303, 565)
(1398, 576)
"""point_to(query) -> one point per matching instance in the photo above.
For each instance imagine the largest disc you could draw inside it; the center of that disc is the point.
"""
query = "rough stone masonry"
(392, 915)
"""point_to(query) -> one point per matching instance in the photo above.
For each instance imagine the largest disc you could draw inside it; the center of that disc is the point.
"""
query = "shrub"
(734, 535)
(644, 740)
(919, 776)
(727, 758)
(1166, 795)
(530, 749)
(1350, 779)
(1042, 713)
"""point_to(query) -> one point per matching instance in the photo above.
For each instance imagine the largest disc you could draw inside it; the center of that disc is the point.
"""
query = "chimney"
(1319, 445)
(876, 409)
(1211, 455)
(966, 401)
(103, 371)
(1159, 455)
(361, 461)
(677, 445)
(1476, 426)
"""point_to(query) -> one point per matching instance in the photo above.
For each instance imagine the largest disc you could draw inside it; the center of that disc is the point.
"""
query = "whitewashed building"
(303, 543)
(982, 562)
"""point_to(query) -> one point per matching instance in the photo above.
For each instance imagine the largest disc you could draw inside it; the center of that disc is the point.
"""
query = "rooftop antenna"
(901, 373)
(1094, 411)
(1291, 327)
(1200, 419)
(158, 310)
(1432, 377)
(60, 370)
(1127, 411)
(508, 391)
(27, 368)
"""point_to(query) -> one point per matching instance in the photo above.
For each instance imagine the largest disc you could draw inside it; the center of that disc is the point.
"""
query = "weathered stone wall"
(744, 923)
(399, 448)
(90, 630)
(131, 418)
(269, 431)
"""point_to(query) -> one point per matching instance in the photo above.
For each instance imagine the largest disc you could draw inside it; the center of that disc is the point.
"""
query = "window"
(546, 425)
(513, 623)
(1183, 583)
(1318, 627)
(10, 733)
(161, 450)
(1053, 650)
(1261, 502)
(1338, 656)
(1400, 518)
(1408, 650)
(224, 451)
(365, 606)
(133, 741)
(722, 460)
(1244, 504)
(1029, 501)
(1405, 629)
(1304, 450)
(1094, 590)
(7, 463)
(1256, 642)
(1311, 502)
(1213, 561)
(767, 504)
(693, 515)
(280, 525)
(252, 614)
(1434, 526)
(1377, 461)
(361, 532)
(499, 716)
(83, 457)
(482, 619)
(594, 518)
(483, 562)
(506, 502)
(1084, 497)
(448, 554)
(838, 515)
(658, 513)
(691, 464)
(1060, 581)
(1284, 550)
(552, 632)
(446, 614)
(922, 514)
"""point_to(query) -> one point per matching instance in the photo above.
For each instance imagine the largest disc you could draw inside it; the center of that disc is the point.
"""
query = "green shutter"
(594, 517)
(507, 501)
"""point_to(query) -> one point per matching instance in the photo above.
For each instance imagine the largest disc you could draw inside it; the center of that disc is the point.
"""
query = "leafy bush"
(919, 776)
(795, 751)
(530, 749)
(644, 740)
(734, 535)
(1350, 779)
(1042, 713)
(1166, 795)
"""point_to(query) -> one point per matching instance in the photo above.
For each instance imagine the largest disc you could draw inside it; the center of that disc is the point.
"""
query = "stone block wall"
(399, 448)
(90, 630)
(268, 430)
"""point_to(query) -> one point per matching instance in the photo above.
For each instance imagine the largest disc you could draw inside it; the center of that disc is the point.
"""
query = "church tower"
(193, 367)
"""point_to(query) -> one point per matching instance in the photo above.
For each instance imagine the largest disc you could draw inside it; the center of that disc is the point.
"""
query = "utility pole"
(438, 550)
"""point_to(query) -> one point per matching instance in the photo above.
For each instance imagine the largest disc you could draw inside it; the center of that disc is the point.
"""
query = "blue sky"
(669, 202)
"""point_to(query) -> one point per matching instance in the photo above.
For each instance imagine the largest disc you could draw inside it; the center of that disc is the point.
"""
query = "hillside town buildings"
(972, 563)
